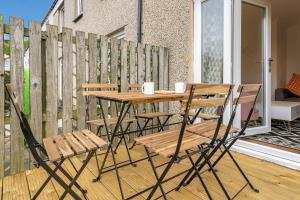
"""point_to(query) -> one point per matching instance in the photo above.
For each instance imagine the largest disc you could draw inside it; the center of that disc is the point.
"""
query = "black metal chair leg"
(102, 166)
(217, 178)
(198, 174)
(184, 181)
(155, 173)
(241, 171)
(161, 178)
(117, 173)
(164, 124)
(90, 155)
(46, 182)
(141, 133)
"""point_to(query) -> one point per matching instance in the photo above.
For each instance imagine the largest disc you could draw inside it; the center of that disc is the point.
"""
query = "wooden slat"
(163, 75)
(2, 102)
(15, 187)
(148, 76)
(80, 78)
(51, 149)
(124, 66)
(67, 81)
(132, 76)
(17, 79)
(104, 61)
(35, 64)
(211, 89)
(141, 69)
(51, 81)
(245, 99)
(74, 143)
(63, 146)
(114, 69)
(141, 63)
(85, 141)
(203, 103)
(100, 86)
(132, 63)
(92, 107)
(94, 138)
(104, 68)
(249, 88)
(155, 78)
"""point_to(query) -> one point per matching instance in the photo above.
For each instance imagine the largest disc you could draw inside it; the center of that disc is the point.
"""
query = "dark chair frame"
(38, 152)
(176, 158)
(226, 143)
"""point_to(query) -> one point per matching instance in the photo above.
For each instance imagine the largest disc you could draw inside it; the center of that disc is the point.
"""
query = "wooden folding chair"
(105, 122)
(149, 116)
(246, 94)
(56, 150)
(173, 142)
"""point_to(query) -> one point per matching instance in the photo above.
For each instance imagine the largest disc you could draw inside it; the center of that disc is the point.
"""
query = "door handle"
(270, 64)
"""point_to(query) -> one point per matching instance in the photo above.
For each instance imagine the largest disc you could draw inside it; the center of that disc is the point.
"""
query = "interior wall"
(293, 51)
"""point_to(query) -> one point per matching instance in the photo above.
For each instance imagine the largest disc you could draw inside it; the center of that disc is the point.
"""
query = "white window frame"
(227, 45)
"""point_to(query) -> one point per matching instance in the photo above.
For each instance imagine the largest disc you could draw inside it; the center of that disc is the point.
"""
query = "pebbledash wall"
(167, 23)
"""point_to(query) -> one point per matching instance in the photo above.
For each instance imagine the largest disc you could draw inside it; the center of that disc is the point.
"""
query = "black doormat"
(281, 136)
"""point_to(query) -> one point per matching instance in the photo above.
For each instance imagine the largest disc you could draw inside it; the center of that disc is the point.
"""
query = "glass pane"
(212, 41)
(252, 69)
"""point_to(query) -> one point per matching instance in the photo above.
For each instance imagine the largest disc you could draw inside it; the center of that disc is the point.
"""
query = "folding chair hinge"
(177, 160)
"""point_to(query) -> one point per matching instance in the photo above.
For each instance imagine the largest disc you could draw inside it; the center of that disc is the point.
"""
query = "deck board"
(273, 181)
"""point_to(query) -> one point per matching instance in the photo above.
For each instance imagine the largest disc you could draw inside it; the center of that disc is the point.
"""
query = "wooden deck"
(274, 182)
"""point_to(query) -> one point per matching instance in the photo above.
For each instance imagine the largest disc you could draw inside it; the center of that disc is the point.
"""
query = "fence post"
(80, 78)
(51, 80)
(67, 83)
(92, 107)
(2, 98)
(163, 75)
(35, 68)
(17, 79)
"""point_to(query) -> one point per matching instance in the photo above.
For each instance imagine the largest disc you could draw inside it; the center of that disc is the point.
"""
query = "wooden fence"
(62, 62)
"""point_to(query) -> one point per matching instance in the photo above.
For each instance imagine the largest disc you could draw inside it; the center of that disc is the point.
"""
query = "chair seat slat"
(51, 149)
(63, 146)
(85, 141)
(97, 140)
(75, 144)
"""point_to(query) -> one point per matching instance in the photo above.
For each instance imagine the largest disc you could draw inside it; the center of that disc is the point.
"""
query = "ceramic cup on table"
(148, 88)
(180, 87)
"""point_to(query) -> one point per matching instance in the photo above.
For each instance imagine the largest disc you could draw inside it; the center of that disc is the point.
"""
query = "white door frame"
(267, 54)
(233, 30)
(264, 152)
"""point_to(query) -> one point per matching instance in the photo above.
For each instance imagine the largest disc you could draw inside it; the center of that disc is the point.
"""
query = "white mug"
(148, 88)
(179, 87)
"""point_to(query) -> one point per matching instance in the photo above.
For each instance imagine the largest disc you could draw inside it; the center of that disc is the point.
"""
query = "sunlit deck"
(274, 182)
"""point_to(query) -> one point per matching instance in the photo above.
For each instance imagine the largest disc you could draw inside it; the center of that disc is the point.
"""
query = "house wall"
(162, 25)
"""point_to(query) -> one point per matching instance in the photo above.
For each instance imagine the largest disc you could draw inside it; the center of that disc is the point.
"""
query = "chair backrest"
(135, 87)
(248, 94)
(214, 95)
(99, 87)
(25, 127)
